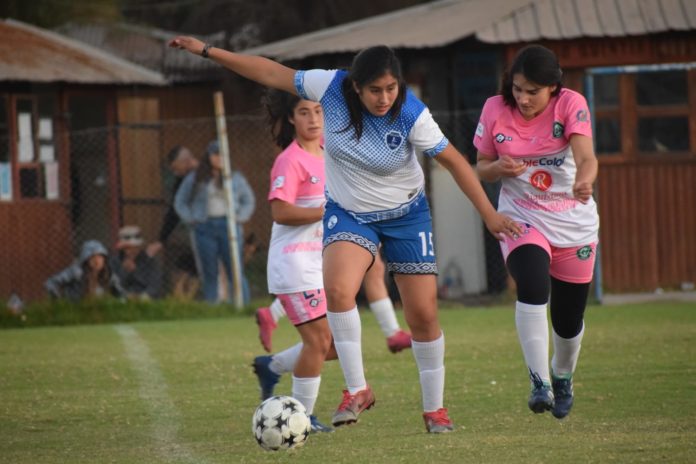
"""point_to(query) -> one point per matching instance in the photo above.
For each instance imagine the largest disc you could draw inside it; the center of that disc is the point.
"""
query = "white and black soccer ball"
(280, 422)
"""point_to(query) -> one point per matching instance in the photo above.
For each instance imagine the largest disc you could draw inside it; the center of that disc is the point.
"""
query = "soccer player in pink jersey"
(536, 138)
(294, 257)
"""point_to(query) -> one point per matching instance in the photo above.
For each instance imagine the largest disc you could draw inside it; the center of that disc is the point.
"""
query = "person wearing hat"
(138, 271)
(201, 204)
(88, 277)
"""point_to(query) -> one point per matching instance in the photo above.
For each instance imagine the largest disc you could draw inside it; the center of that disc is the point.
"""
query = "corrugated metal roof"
(442, 22)
(572, 19)
(431, 24)
(29, 53)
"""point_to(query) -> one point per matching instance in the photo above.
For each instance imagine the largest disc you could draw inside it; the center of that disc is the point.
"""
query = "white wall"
(458, 230)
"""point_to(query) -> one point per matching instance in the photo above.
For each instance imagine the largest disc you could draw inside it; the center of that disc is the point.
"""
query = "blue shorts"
(407, 241)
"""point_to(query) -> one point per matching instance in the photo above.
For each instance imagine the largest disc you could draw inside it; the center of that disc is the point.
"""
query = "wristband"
(204, 52)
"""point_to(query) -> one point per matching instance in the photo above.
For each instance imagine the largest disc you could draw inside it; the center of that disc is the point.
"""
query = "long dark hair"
(103, 277)
(280, 106)
(537, 64)
(204, 172)
(368, 66)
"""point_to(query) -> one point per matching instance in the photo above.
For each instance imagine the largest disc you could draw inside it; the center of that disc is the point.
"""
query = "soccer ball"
(280, 422)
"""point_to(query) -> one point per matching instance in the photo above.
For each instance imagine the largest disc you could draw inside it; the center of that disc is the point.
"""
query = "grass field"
(183, 391)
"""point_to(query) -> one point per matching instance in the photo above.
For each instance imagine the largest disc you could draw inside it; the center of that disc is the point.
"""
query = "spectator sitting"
(90, 276)
(138, 271)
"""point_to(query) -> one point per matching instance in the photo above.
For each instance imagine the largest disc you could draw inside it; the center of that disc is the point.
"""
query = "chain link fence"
(121, 176)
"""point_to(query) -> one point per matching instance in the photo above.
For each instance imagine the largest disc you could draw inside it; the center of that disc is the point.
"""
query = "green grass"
(71, 394)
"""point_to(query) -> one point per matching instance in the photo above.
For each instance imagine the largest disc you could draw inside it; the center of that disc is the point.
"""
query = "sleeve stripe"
(437, 148)
(299, 84)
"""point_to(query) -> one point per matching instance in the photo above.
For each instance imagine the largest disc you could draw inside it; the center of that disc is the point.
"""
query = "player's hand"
(500, 225)
(582, 191)
(508, 167)
(189, 44)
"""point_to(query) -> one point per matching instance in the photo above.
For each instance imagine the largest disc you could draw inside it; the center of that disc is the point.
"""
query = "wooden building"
(50, 86)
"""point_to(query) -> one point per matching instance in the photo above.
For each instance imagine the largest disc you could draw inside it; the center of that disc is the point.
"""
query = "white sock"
(305, 390)
(533, 331)
(347, 333)
(565, 353)
(430, 358)
(277, 310)
(386, 317)
(285, 360)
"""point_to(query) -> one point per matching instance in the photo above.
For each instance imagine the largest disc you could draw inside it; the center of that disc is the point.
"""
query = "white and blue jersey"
(377, 177)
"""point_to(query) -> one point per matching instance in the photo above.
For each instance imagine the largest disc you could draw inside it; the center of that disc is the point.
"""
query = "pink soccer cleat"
(401, 340)
(266, 326)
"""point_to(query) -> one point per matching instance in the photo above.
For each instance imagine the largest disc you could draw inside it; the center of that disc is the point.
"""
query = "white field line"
(153, 392)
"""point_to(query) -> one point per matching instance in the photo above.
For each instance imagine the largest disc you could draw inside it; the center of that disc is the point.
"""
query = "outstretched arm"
(256, 68)
(468, 182)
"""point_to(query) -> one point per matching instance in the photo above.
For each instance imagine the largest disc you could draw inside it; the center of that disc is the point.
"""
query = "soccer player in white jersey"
(536, 137)
(375, 195)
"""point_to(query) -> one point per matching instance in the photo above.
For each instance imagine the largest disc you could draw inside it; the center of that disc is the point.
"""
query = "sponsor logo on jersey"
(479, 130)
(558, 129)
(584, 253)
(278, 182)
(555, 162)
(331, 223)
(581, 115)
(541, 180)
(500, 138)
(394, 139)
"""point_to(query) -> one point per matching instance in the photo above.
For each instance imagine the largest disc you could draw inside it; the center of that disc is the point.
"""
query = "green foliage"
(85, 394)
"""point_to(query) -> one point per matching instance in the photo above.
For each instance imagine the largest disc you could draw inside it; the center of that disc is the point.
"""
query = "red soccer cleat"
(438, 421)
(401, 340)
(266, 326)
(352, 405)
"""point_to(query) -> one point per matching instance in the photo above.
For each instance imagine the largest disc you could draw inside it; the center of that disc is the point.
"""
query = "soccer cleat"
(352, 405)
(318, 427)
(267, 325)
(541, 398)
(563, 394)
(401, 340)
(267, 378)
(438, 421)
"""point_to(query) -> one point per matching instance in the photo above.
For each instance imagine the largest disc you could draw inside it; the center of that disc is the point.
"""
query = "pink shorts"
(304, 306)
(574, 265)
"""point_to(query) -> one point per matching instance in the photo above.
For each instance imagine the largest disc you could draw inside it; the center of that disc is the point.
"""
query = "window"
(37, 168)
(643, 111)
(5, 164)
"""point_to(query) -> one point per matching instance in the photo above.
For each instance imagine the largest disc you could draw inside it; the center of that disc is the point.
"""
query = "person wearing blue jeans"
(200, 202)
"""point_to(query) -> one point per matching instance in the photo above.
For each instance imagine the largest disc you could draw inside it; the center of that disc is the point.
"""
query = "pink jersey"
(543, 195)
(294, 255)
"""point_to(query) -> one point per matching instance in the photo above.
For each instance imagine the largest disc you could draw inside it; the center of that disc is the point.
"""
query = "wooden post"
(229, 195)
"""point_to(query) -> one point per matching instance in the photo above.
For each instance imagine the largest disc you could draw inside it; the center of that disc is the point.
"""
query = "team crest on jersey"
(581, 115)
(584, 253)
(558, 130)
(541, 180)
(278, 182)
(314, 179)
(394, 139)
(500, 138)
(331, 223)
